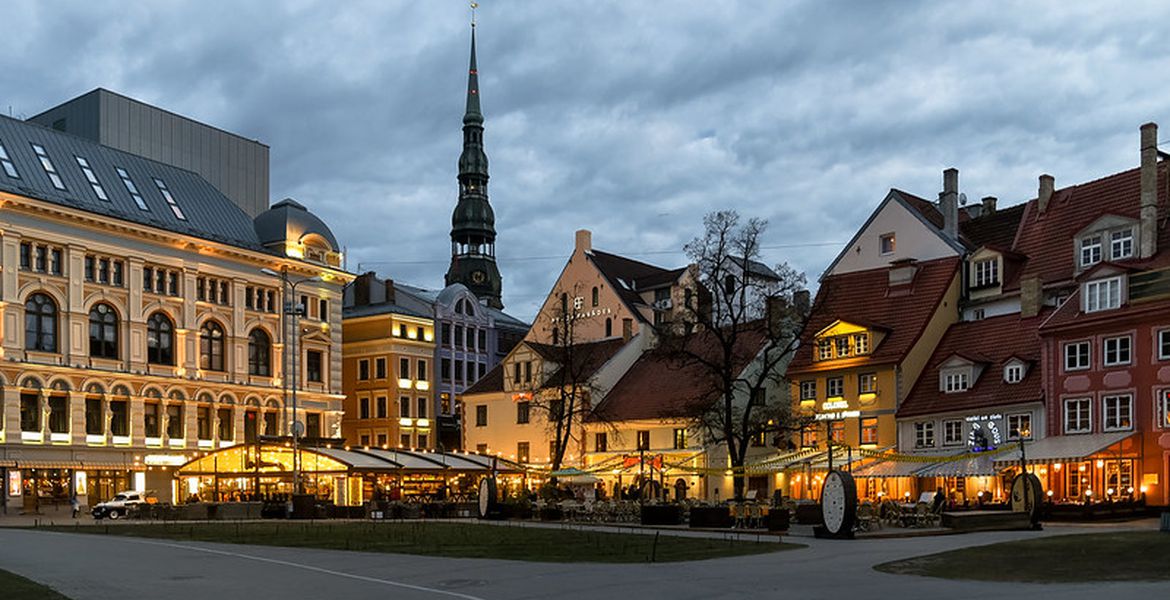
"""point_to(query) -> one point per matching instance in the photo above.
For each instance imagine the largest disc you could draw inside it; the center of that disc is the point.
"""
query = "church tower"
(473, 224)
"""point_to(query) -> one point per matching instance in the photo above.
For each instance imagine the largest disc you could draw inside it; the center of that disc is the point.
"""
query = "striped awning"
(1064, 448)
(889, 468)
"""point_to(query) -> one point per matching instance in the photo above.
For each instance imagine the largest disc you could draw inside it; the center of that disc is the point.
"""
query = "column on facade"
(12, 412)
(43, 406)
(77, 418)
(137, 416)
(135, 317)
(76, 316)
(9, 289)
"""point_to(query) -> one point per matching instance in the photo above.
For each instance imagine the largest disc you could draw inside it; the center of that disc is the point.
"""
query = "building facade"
(143, 320)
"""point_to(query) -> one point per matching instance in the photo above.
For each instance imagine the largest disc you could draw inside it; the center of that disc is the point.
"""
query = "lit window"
(1117, 351)
(130, 187)
(1090, 250)
(869, 431)
(1078, 415)
(842, 344)
(1121, 244)
(887, 244)
(825, 349)
(955, 381)
(166, 194)
(6, 163)
(808, 390)
(924, 434)
(1076, 356)
(1020, 426)
(986, 272)
(50, 170)
(1118, 412)
(837, 432)
(1013, 373)
(1162, 407)
(1103, 294)
(835, 386)
(98, 190)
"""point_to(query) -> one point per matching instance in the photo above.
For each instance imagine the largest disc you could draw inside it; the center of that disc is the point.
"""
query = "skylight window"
(92, 179)
(6, 163)
(166, 194)
(50, 170)
(130, 187)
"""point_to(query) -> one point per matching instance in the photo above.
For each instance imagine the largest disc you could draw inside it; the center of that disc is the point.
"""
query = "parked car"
(122, 503)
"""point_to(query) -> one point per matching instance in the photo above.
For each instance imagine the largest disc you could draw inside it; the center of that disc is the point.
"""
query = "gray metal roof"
(382, 308)
(209, 214)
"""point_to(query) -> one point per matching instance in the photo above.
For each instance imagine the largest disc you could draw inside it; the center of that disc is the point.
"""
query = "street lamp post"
(289, 307)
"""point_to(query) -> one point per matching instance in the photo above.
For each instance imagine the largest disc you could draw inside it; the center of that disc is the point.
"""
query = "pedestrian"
(76, 505)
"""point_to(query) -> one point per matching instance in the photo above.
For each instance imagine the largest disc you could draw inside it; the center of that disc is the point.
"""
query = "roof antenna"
(474, 5)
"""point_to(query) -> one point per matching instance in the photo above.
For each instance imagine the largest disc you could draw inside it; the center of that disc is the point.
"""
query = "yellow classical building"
(142, 321)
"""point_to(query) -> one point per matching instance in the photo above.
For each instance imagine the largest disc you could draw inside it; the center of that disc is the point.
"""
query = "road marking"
(287, 563)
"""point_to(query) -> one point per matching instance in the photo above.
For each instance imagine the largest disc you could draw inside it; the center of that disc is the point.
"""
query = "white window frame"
(1113, 408)
(862, 379)
(1088, 356)
(1102, 294)
(861, 343)
(955, 427)
(824, 349)
(1084, 404)
(924, 434)
(808, 389)
(1162, 409)
(1118, 349)
(1013, 373)
(840, 381)
(1013, 425)
(1121, 243)
(841, 346)
(958, 380)
(1163, 342)
(1091, 249)
(986, 272)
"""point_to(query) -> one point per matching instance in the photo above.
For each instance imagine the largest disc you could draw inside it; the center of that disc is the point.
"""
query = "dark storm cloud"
(628, 118)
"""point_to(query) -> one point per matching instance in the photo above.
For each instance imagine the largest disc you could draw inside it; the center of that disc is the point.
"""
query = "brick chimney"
(627, 327)
(1047, 185)
(989, 205)
(1031, 297)
(389, 287)
(948, 203)
(361, 289)
(800, 301)
(584, 240)
(1149, 196)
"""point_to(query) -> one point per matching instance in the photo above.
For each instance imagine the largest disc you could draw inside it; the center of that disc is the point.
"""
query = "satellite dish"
(963, 199)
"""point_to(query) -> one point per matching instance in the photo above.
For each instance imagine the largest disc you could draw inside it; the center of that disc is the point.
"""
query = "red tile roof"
(664, 384)
(990, 342)
(628, 277)
(1047, 239)
(1070, 313)
(865, 297)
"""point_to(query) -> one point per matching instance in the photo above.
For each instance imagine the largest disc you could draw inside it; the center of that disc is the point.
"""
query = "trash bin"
(1165, 526)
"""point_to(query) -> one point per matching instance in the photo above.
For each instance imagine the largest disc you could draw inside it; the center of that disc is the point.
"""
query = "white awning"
(975, 466)
(889, 468)
(1064, 448)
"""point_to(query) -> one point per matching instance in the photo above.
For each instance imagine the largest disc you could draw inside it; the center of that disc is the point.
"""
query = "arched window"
(40, 323)
(608, 327)
(259, 353)
(211, 346)
(160, 340)
(595, 296)
(103, 332)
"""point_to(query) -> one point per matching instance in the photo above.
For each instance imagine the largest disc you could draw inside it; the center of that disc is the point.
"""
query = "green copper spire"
(473, 114)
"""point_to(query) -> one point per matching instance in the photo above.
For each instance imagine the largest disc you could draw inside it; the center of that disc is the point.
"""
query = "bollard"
(1165, 525)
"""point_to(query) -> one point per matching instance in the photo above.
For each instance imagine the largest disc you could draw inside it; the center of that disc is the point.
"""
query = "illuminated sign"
(14, 483)
(835, 405)
(977, 418)
(838, 415)
(165, 460)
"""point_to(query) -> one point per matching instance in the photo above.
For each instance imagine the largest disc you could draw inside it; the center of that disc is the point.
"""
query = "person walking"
(76, 505)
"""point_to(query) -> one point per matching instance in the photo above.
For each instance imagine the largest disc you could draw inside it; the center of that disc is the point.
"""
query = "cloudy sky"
(631, 119)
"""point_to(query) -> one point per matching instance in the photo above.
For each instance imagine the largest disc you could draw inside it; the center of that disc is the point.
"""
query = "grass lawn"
(465, 540)
(1127, 556)
(15, 587)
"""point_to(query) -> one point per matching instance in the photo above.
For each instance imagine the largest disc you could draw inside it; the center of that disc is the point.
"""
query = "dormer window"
(825, 349)
(1121, 244)
(861, 343)
(1090, 250)
(986, 272)
(1013, 373)
(842, 346)
(956, 381)
(1102, 294)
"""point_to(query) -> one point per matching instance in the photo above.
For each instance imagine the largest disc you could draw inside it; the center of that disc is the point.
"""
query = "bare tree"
(565, 394)
(740, 334)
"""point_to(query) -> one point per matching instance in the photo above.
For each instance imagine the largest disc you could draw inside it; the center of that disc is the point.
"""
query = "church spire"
(473, 224)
